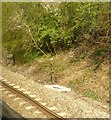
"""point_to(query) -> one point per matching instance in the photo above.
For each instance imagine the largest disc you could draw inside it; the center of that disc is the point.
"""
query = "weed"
(96, 62)
(91, 94)
(74, 84)
(77, 59)
(100, 51)
(71, 84)
(30, 57)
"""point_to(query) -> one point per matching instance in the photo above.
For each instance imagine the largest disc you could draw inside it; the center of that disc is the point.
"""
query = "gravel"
(66, 104)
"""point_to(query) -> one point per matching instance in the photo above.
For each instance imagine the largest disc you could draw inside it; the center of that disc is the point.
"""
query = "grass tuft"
(91, 94)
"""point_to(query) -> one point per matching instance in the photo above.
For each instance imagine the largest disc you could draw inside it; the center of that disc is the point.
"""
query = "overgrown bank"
(60, 43)
(75, 69)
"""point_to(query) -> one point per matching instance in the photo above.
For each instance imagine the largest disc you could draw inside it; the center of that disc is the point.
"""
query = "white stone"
(6, 92)
(33, 96)
(12, 84)
(37, 112)
(21, 89)
(62, 114)
(21, 103)
(38, 99)
(16, 99)
(43, 103)
(52, 108)
(11, 95)
(16, 86)
(30, 107)
(26, 92)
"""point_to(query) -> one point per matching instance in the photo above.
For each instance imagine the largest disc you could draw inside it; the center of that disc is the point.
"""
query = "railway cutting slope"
(66, 105)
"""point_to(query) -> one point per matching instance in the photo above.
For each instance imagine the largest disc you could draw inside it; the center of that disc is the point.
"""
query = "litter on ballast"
(58, 88)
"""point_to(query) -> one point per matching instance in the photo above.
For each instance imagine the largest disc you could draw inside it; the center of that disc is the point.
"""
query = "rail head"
(58, 117)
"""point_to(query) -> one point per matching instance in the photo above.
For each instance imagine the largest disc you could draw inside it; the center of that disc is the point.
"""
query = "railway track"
(36, 104)
(37, 101)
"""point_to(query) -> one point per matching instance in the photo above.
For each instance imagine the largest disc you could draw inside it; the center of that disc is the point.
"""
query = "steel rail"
(36, 103)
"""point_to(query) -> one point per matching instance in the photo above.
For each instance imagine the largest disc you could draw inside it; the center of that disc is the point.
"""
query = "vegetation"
(41, 28)
(76, 34)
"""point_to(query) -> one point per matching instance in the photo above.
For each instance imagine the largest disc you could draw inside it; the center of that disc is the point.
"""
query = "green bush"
(30, 57)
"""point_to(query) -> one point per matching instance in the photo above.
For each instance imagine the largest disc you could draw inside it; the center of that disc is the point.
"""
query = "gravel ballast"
(66, 104)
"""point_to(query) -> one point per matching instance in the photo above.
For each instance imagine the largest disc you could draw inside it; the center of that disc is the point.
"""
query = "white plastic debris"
(58, 88)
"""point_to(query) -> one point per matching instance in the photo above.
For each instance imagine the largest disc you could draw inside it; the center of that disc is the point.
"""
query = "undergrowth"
(73, 70)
